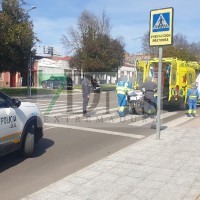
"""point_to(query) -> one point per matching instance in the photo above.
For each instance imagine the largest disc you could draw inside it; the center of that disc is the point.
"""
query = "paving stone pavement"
(165, 169)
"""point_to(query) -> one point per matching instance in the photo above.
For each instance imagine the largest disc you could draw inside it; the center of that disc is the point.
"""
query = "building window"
(1, 76)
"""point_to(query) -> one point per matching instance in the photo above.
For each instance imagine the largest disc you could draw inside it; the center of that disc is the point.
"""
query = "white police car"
(21, 126)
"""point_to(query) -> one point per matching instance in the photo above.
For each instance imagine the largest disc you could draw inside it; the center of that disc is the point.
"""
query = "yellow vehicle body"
(142, 72)
(176, 79)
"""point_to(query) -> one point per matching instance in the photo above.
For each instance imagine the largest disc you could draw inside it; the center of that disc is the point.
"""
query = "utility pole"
(29, 76)
(31, 62)
(134, 39)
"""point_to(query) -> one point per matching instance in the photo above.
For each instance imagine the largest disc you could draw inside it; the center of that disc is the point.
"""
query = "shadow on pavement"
(16, 158)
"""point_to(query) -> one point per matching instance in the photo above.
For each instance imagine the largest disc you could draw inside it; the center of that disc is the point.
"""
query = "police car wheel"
(29, 140)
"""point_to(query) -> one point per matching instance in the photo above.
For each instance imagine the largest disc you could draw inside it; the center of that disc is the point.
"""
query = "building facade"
(44, 68)
(8, 79)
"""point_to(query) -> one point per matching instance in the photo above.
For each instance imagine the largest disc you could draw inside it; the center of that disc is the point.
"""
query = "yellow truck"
(177, 77)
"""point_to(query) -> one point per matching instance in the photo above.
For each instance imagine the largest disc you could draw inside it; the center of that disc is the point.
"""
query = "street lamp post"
(134, 39)
(29, 76)
(32, 8)
(30, 63)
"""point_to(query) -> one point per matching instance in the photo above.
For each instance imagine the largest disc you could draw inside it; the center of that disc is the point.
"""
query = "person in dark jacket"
(86, 93)
(150, 88)
(95, 85)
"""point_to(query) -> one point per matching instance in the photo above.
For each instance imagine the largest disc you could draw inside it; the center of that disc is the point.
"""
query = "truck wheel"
(29, 140)
(131, 111)
(183, 106)
(138, 108)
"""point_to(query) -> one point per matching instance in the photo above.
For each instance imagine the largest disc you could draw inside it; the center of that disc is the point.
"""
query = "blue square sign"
(161, 22)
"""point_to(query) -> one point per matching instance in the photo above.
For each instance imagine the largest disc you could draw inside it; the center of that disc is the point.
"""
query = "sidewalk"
(165, 169)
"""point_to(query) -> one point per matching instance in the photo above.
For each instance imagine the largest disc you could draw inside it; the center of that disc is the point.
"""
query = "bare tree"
(88, 25)
(91, 44)
(181, 48)
(180, 41)
(153, 51)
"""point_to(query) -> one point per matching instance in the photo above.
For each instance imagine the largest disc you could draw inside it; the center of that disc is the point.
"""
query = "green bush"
(104, 87)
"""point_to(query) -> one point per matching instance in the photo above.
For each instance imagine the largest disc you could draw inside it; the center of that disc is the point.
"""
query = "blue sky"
(128, 18)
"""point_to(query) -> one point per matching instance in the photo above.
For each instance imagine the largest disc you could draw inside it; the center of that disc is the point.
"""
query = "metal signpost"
(29, 75)
(161, 33)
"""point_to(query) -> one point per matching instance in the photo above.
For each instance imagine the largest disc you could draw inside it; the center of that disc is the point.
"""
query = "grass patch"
(40, 91)
(24, 91)
(77, 87)
(108, 87)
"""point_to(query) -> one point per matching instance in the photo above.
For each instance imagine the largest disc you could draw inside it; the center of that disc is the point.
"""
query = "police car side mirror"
(16, 102)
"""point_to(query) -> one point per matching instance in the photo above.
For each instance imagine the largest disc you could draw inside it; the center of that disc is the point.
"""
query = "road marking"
(41, 104)
(65, 114)
(64, 110)
(44, 107)
(104, 115)
(123, 119)
(143, 122)
(48, 101)
(177, 122)
(57, 107)
(48, 128)
(55, 115)
(95, 130)
(81, 115)
(101, 117)
(90, 109)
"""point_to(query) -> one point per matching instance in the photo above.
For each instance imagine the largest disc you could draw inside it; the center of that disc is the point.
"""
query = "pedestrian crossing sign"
(161, 27)
(161, 22)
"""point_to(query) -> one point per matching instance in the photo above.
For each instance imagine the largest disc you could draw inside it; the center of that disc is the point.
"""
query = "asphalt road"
(70, 144)
(60, 153)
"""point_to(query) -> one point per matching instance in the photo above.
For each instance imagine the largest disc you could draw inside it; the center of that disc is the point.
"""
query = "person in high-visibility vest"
(129, 89)
(193, 96)
(121, 96)
(129, 86)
